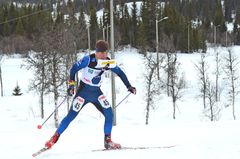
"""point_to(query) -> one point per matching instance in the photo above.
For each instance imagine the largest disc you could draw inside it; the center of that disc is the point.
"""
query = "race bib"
(78, 103)
(103, 101)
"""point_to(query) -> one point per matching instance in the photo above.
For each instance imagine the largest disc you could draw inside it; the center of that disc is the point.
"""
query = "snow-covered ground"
(191, 134)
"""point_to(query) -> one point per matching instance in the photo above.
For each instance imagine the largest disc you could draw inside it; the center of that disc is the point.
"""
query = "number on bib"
(103, 101)
(78, 103)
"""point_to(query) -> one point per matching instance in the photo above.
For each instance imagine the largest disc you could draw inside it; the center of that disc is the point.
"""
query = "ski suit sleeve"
(122, 75)
(78, 66)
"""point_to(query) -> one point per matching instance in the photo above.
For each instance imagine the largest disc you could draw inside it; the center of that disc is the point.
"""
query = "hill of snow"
(192, 135)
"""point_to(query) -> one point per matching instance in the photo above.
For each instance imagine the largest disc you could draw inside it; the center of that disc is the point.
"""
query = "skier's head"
(101, 49)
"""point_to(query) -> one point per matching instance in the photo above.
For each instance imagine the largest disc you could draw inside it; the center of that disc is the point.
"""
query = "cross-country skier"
(89, 92)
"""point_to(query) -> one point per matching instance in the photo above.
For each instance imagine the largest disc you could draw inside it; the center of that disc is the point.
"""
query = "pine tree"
(141, 40)
(124, 25)
(19, 28)
(59, 15)
(134, 23)
(71, 12)
(237, 20)
(6, 28)
(94, 28)
(106, 13)
(17, 91)
(236, 29)
(148, 14)
(219, 18)
(82, 24)
(45, 21)
(1, 19)
(173, 26)
(228, 11)
(12, 13)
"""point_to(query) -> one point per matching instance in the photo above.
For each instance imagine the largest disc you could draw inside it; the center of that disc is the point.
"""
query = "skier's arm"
(78, 66)
(122, 75)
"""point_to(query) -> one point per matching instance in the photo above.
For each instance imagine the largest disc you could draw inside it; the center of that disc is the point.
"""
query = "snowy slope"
(191, 134)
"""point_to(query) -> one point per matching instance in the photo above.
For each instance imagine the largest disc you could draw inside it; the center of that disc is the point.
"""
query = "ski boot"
(52, 141)
(109, 144)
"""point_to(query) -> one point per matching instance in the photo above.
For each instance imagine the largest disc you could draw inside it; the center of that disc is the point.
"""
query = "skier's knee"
(108, 115)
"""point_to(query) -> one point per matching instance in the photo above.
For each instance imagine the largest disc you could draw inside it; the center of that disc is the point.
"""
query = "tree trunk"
(55, 91)
(42, 90)
(217, 77)
(174, 110)
(1, 81)
(42, 107)
(168, 74)
(233, 98)
(204, 89)
(211, 107)
(148, 101)
(66, 75)
(233, 84)
(149, 95)
(204, 98)
(147, 113)
(173, 99)
(56, 111)
(233, 105)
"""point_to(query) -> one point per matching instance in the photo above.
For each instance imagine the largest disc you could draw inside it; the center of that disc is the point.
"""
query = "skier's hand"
(132, 90)
(70, 90)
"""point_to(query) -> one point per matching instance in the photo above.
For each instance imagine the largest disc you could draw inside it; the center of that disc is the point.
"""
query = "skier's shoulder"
(84, 61)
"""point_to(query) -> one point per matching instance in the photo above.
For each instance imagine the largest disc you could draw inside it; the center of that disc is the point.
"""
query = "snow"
(129, 5)
(191, 134)
(230, 27)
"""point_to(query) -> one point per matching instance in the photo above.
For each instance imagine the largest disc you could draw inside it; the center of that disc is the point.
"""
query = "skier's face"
(101, 55)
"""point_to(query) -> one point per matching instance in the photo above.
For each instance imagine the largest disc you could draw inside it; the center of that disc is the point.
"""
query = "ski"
(134, 148)
(40, 151)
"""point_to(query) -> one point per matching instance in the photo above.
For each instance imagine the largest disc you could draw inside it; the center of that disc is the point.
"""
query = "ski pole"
(123, 100)
(40, 126)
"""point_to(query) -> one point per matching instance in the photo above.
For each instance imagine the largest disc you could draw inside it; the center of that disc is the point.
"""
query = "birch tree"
(151, 84)
(202, 68)
(38, 63)
(232, 77)
(217, 75)
(212, 110)
(176, 82)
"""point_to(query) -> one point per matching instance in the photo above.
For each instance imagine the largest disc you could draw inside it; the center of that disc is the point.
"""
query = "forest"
(191, 24)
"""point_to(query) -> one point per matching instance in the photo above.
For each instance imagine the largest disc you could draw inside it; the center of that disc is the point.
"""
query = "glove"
(132, 90)
(70, 90)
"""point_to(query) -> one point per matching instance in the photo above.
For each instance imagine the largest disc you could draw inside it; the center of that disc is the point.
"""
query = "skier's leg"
(105, 108)
(77, 104)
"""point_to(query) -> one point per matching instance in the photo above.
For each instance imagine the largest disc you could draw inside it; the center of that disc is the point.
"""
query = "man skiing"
(89, 92)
